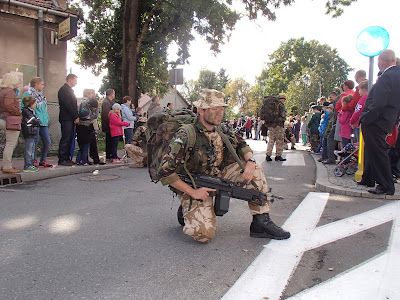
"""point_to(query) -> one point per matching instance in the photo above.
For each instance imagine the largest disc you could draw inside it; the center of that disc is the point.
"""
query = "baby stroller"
(349, 160)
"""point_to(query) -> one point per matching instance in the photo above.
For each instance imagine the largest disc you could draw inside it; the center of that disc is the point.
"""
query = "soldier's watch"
(252, 159)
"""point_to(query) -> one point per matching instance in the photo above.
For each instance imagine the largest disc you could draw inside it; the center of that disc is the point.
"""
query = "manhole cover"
(99, 177)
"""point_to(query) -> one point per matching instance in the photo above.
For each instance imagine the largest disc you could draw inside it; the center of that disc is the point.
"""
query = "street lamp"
(321, 84)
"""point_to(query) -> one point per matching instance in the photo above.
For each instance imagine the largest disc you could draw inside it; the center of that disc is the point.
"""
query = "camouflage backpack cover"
(270, 110)
(162, 127)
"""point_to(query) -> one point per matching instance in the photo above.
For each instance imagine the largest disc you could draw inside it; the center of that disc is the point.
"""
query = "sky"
(246, 52)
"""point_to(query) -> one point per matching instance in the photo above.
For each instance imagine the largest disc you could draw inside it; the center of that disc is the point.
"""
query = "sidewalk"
(326, 181)
(56, 170)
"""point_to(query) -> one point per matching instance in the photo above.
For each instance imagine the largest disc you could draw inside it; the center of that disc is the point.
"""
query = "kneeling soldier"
(211, 156)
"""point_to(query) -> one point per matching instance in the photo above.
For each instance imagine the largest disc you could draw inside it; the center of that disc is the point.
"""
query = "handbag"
(391, 138)
(13, 123)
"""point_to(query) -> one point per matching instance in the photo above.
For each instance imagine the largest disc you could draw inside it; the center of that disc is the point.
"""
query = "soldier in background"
(276, 132)
(137, 150)
(154, 106)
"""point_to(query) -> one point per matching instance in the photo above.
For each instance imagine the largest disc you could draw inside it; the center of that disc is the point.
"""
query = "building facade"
(31, 46)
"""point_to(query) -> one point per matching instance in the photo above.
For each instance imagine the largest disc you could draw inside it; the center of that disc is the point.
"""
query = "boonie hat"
(282, 96)
(210, 98)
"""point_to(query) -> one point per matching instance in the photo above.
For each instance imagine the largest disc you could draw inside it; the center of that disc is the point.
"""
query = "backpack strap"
(191, 133)
(228, 144)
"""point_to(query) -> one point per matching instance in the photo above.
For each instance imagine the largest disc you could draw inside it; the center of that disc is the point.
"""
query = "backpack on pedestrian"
(162, 127)
(270, 110)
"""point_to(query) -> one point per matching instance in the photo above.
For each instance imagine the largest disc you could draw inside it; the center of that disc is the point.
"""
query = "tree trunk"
(129, 50)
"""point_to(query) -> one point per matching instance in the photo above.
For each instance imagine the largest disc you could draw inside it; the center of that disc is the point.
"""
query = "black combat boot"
(179, 214)
(279, 158)
(263, 227)
(268, 158)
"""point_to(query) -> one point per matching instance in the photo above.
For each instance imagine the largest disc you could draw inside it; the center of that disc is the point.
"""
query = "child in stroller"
(348, 160)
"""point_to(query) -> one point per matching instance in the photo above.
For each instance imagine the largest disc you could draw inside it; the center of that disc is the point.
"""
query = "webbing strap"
(191, 133)
(233, 152)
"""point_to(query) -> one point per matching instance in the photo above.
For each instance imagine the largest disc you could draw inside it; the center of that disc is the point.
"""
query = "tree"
(207, 80)
(130, 38)
(222, 79)
(241, 95)
(295, 58)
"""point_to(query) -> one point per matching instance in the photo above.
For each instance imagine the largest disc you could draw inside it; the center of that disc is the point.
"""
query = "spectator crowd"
(327, 127)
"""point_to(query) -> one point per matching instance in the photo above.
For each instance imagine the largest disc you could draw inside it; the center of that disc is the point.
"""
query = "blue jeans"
(72, 149)
(248, 133)
(67, 131)
(128, 135)
(82, 156)
(29, 155)
(114, 146)
(43, 132)
(320, 145)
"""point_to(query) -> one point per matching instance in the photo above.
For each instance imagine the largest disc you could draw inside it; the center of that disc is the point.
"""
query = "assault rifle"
(227, 189)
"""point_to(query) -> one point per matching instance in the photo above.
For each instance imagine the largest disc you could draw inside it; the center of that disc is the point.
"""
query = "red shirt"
(248, 124)
(352, 105)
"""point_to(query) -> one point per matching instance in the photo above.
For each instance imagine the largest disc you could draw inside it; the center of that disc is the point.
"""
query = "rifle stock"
(227, 189)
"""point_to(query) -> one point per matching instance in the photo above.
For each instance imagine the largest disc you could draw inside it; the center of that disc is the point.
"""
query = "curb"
(323, 184)
(65, 171)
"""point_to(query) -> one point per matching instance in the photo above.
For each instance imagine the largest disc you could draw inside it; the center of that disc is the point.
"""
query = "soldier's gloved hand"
(249, 171)
(201, 193)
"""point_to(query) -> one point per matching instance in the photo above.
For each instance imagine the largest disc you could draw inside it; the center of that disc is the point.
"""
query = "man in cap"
(313, 128)
(211, 156)
(276, 132)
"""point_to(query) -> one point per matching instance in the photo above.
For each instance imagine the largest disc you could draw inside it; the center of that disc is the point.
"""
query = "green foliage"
(295, 58)
(160, 22)
(207, 80)
(333, 7)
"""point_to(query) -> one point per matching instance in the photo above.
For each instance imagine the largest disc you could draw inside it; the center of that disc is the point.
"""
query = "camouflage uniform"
(276, 136)
(209, 156)
(138, 153)
(276, 131)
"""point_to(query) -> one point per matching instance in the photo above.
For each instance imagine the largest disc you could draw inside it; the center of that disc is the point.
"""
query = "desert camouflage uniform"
(276, 133)
(138, 153)
(209, 156)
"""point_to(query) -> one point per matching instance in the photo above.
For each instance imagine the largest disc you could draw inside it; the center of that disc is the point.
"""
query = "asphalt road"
(68, 238)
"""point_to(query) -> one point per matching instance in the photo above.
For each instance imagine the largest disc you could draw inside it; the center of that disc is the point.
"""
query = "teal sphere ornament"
(372, 41)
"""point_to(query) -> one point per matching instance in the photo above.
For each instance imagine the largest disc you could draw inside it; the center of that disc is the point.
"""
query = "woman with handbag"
(10, 117)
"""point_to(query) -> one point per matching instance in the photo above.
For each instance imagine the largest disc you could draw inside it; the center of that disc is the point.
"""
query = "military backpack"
(162, 127)
(270, 110)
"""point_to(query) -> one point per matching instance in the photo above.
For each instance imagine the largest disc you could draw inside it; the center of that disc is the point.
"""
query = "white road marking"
(270, 272)
(294, 159)
(378, 278)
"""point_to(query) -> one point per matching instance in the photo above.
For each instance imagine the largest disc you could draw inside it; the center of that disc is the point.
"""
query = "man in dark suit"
(378, 118)
(68, 117)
